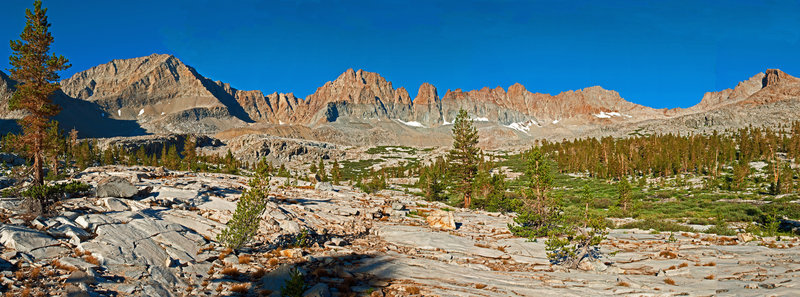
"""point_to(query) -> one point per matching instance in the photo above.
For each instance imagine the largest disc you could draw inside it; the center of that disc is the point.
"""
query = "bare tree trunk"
(467, 199)
(38, 174)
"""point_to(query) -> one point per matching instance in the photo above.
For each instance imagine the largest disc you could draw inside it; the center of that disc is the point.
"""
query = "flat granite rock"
(25, 239)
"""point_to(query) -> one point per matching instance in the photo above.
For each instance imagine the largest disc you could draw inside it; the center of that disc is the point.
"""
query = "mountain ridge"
(163, 95)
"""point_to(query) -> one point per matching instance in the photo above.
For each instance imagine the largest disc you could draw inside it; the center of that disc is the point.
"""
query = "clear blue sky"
(657, 53)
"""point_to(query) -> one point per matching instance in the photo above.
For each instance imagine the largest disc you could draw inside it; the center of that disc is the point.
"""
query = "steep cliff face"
(776, 86)
(159, 92)
(358, 95)
(6, 90)
(427, 107)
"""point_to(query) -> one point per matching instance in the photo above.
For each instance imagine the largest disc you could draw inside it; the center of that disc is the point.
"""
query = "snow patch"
(608, 115)
(163, 113)
(411, 123)
(445, 122)
(141, 112)
(480, 119)
(523, 127)
(119, 112)
(280, 122)
(555, 121)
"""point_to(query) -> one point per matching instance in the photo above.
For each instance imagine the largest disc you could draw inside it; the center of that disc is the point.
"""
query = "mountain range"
(159, 94)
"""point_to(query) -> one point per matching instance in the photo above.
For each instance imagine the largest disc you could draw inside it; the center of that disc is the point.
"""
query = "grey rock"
(77, 263)
(318, 290)
(79, 276)
(69, 231)
(338, 241)
(346, 211)
(115, 204)
(92, 221)
(290, 227)
(274, 280)
(398, 206)
(323, 186)
(164, 276)
(790, 226)
(115, 186)
(24, 239)
(5, 265)
(71, 290)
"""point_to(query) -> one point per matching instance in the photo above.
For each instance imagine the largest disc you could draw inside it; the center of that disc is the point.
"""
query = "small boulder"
(745, 237)
(323, 186)
(114, 204)
(398, 206)
(789, 226)
(318, 290)
(114, 186)
(442, 220)
(292, 253)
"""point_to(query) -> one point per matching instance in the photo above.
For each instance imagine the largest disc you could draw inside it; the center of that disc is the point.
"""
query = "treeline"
(70, 152)
(668, 154)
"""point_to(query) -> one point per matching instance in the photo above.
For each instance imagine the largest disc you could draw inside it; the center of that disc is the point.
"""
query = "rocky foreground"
(161, 242)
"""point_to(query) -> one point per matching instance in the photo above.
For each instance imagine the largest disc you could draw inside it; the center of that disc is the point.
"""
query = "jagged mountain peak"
(777, 77)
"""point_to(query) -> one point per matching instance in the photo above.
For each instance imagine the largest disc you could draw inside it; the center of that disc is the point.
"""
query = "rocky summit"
(159, 94)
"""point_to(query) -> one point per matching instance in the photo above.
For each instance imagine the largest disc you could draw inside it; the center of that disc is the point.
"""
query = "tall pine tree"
(463, 157)
(36, 71)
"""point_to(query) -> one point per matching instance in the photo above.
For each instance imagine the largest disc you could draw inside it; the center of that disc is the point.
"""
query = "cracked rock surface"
(347, 243)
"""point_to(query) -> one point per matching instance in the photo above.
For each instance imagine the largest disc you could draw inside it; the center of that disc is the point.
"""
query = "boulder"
(318, 290)
(745, 237)
(323, 186)
(441, 219)
(115, 204)
(24, 239)
(115, 186)
(274, 280)
(790, 226)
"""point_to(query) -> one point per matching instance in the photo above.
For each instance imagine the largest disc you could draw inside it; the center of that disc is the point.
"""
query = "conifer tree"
(189, 152)
(624, 190)
(243, 225)
(463, 157)
(336, 174)
(36, 71)
(313, 168)
(323, 176)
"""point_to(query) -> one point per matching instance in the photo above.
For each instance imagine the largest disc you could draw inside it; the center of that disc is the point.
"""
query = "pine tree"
(336, 174)
(624, 190)
(463, 157)
(36, 71)
(323, 176)
(243, 225)
(541, 214)
(56, 147)
(189, 152)
(173, 160)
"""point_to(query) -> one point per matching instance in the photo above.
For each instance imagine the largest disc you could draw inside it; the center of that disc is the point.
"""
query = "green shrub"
(658, 225)
(575, 243)
(40, 198)
(295, 286)
(721, 229)
(244, 223)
